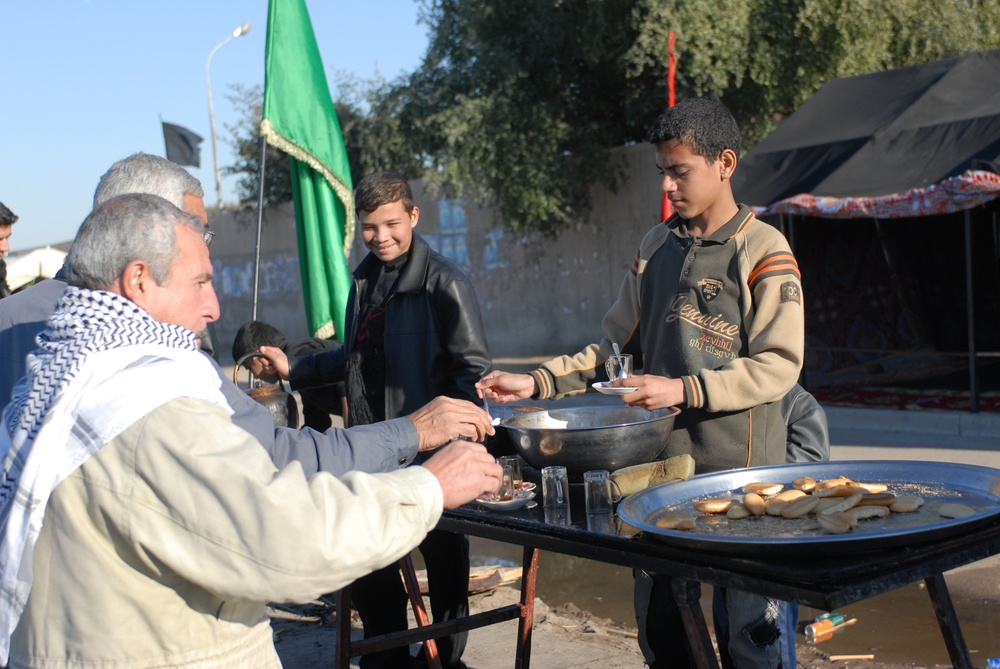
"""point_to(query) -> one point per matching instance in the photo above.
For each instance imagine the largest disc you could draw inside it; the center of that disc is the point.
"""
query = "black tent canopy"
(920, 145)
(881, 133)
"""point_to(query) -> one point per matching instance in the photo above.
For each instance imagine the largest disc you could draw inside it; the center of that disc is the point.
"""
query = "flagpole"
(260, 224)
(666, 208)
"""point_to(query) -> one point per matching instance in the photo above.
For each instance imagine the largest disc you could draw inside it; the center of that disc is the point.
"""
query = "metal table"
(823, 582)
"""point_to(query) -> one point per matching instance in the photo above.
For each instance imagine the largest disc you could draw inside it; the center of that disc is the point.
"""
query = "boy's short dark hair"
(254, 334)
(380, 188)
(704, 125)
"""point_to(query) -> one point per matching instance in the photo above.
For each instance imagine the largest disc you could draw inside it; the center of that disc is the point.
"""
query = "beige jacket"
(163, 548)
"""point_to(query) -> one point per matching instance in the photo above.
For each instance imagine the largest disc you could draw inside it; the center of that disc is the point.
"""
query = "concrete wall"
(538, 296)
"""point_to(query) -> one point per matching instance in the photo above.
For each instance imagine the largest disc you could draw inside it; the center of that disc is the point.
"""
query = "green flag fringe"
(279, 141)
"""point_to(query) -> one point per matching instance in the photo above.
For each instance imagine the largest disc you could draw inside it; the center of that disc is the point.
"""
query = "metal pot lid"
(936, 482)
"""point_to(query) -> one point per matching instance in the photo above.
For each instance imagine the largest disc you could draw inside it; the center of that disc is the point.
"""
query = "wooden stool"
(523, 612)
(343, 603)
(419, 612)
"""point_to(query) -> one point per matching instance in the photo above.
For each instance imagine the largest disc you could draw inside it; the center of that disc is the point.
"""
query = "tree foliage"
(246, 140)
(518, 103)
(764, 58)
(521, 100)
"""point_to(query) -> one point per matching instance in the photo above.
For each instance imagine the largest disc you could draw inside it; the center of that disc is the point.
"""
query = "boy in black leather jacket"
(413, 332)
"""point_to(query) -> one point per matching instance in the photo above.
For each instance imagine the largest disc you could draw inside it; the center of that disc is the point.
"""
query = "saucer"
(606, 388)
(520, 499)
(526, 486)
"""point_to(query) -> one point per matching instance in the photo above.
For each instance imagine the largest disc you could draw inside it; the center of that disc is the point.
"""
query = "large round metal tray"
(937, 482)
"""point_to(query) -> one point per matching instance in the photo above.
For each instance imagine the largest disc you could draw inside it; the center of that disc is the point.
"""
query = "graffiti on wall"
(279, 275)
(491, 251)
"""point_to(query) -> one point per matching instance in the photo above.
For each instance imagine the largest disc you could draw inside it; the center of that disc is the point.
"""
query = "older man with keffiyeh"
(138, 526)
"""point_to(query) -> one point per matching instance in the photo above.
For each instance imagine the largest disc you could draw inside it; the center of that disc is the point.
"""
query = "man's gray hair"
(146, 173)
(137, 226)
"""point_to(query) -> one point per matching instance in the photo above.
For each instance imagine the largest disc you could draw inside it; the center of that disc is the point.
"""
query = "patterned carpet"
(908, 399)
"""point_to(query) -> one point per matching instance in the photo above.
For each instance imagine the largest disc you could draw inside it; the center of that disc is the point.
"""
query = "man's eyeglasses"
(208, 235)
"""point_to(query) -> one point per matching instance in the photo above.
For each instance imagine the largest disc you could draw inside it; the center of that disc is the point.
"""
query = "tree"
(522, 100)
(764, 58)
(245, 138)
(518, 103)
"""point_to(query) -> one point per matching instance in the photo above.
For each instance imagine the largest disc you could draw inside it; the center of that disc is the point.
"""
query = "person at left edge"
(7, 221)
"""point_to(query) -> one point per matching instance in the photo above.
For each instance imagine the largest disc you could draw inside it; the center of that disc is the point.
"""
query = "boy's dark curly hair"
(704, 125)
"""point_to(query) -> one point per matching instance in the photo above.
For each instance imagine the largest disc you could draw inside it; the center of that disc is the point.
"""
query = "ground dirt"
(563, 638)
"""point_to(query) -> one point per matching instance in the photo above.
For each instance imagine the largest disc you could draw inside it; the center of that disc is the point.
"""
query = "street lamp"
(242, 30)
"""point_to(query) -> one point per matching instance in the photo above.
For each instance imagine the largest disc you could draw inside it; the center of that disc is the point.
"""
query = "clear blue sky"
(85, 82)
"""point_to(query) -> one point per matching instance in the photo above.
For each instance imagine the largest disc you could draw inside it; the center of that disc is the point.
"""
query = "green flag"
(299, 118)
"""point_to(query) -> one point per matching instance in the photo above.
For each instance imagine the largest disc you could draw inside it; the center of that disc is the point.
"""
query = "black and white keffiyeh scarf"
(102, 363)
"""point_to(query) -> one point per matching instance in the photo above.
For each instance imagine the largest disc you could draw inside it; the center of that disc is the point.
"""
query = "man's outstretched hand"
(274, 362)
(465, 471)
(503, 387)
(445, 419)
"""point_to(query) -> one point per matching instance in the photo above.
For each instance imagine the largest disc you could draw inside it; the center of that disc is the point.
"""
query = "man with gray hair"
(23, 316)
(146, 173)
(138, 526)
(382, 446)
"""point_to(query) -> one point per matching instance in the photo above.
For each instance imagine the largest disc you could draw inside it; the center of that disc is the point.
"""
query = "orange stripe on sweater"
(779, 263)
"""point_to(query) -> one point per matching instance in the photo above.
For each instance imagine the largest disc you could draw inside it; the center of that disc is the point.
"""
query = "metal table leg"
(958, 650)
(529, 571)
(687, 594)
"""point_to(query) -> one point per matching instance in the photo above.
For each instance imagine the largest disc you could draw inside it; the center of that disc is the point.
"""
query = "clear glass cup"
(600, 492)
(619, 369)
(515, 463)
(555, 495)
(507, 489)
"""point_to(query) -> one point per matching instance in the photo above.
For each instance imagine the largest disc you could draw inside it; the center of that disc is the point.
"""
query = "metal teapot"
(282, 405)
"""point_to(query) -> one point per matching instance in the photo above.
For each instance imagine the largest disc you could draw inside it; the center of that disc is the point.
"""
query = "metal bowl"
(500, 443)
(590, 437)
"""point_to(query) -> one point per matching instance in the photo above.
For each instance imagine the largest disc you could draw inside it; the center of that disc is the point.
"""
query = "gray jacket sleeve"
(382, 447)
(808, 433)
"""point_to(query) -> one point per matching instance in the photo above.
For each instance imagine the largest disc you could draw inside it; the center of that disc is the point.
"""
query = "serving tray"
(936, 482)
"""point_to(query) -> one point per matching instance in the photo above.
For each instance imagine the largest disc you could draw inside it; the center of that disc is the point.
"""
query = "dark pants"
(663, 639)
(381, 601)
(788, 622)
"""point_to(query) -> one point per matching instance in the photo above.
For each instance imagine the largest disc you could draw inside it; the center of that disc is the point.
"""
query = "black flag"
(182, 145)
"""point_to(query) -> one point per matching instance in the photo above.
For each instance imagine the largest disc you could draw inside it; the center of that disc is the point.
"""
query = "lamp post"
(242, 30)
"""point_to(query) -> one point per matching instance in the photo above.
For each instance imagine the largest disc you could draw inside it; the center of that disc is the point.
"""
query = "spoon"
(486, 408)
(621, 363)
